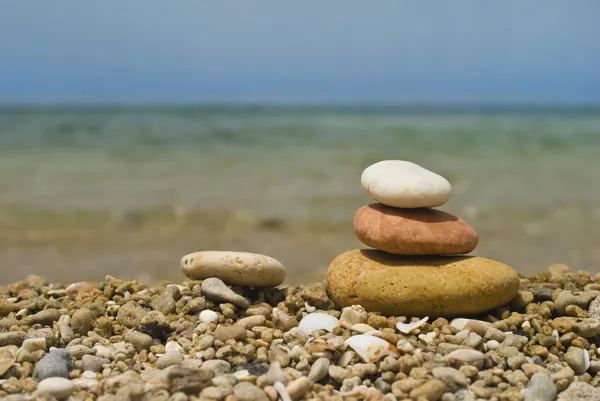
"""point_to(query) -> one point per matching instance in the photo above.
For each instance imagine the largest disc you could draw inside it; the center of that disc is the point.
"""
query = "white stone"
(208, 316)
(58, 387)
(399, 183)
(318, 321)
(34, 344)
(234, 268)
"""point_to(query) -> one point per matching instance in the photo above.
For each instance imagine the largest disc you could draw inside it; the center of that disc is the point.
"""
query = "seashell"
(178, 286)
(21, 314)
(173, 346)
(320, 347)
(280, 387)
(373, 332)
(361, 328)
(428, 338)
(318, 321)
(208, 316)
(586, 358)
(371, 348)
(309, 308)
(81, 288)
(408, 327)
(34, 344)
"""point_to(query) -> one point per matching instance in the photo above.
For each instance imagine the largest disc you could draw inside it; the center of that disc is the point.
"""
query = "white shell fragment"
(280, 387)
(408, 327)
(371, 348)
(318, 321)
(309, 309)
(208, 316)
(356, 391)
(586, 358)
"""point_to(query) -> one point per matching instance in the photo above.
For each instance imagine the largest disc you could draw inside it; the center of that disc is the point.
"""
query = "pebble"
(584, 327)
(398, 285)
(594, 308)
(431, 390)
(140, 341)
(352, 315)
(298, 387)
(575, 358)
(224, 333)
(403, 184)
(316, 294)
(581, 299)
(81, 321)
(580, 391)
(57, 363)
(93, 363)
(246, 391)
(217, 367)
(208, 316)
(466, 357)
(58, 387)
(169, 359)
(540, 388)
(319, 370)
(453, 378)
(216, 290)
(413, 231)
(234, 268)
(251, 321)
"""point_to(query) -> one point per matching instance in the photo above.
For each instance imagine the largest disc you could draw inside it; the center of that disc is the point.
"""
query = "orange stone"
(413, 231)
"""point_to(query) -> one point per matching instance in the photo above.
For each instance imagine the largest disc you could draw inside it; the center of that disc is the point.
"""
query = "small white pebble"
(464, 334)
(12, 300)
(526, 324)
(309, 308)
(208, 316)
(58, 387)
(89, 374)
(173, 346)
(555, 334)
(492, 345)
(127, 294)
(241, 374)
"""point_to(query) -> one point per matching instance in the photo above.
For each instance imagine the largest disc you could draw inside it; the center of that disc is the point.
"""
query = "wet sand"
(147, 246)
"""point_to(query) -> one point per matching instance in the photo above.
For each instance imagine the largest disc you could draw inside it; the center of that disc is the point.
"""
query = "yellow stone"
(420, 285)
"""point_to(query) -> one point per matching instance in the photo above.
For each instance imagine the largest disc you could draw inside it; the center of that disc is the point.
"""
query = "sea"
(87, 192)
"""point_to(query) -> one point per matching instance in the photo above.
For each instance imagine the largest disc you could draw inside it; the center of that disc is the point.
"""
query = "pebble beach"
(412, 317)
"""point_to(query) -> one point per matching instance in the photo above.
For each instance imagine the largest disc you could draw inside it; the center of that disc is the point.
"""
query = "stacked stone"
(419, 265)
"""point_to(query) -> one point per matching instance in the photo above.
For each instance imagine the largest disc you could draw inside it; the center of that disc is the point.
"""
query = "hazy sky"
(299, 51)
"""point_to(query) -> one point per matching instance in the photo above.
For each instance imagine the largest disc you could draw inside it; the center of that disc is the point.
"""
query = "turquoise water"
(528, 181)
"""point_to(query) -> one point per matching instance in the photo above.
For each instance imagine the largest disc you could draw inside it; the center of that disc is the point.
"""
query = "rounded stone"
(234, 268)
(413, 231)
(420, 286)
(58, 387)
(404, 184)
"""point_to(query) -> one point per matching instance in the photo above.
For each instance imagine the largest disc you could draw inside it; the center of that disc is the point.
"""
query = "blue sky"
(308, 51)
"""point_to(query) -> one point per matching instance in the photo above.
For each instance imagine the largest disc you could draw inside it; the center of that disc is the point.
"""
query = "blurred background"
(134, 132)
